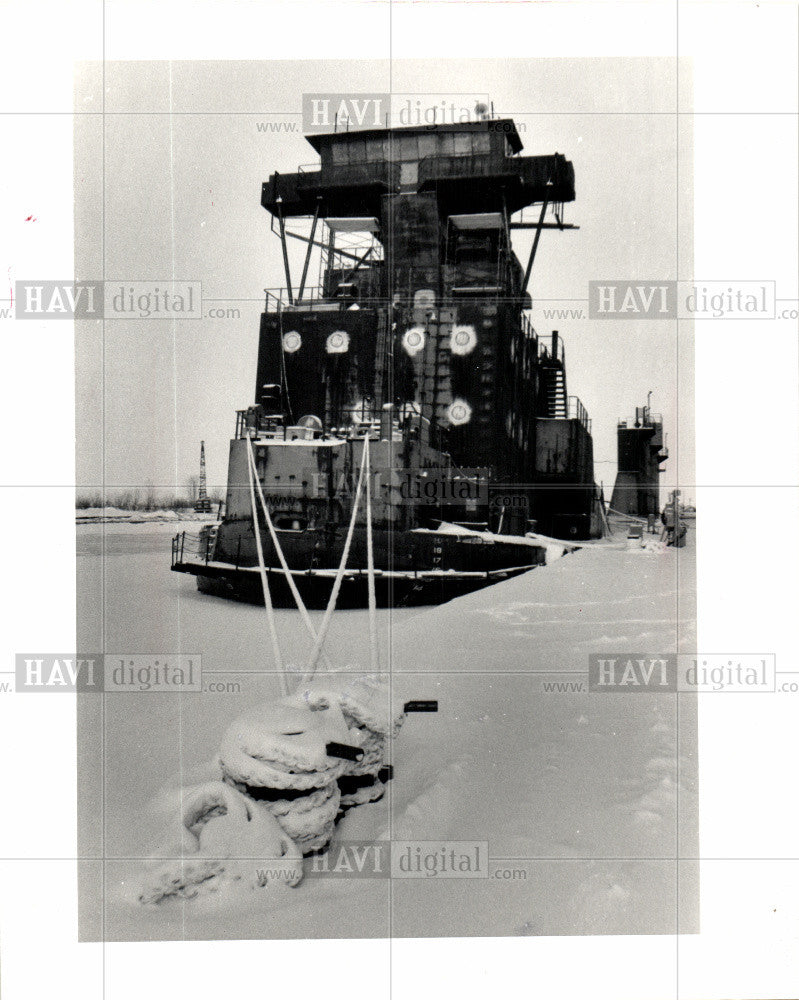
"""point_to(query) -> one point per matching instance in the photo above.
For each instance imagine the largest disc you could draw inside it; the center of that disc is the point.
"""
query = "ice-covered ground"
(120, 515)
(585, 800)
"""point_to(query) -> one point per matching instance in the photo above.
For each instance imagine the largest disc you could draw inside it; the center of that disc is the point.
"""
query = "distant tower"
(642, 450)
(202, 505)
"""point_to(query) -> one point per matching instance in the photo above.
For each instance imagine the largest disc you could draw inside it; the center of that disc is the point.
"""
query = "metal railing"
(445, 167)
(576, 411)
(382, 173)
(528, 329)
(177, 548)
(649, 420)
(277, 299)
(552, 176)
(250, 421)
(192, 547)
(313, 297)
(552, 348)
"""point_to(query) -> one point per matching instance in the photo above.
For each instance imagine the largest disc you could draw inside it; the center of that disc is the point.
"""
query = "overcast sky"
(182, 197)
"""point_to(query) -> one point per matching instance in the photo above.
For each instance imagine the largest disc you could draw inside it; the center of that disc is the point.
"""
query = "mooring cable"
(281, 556)
(270, 611)
(331, 604)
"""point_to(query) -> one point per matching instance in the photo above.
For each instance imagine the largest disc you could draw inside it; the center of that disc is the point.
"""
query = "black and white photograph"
(401, 411)
(389, 525)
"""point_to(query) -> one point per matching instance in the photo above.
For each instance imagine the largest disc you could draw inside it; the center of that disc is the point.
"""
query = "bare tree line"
(146, 497)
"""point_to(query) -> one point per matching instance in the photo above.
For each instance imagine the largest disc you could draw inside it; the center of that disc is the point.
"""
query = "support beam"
(543, 225)
(506, 221)
(506, 230)
(323, 246)
(361, 260)
(308, 253)
(534, 247)
(282, 222)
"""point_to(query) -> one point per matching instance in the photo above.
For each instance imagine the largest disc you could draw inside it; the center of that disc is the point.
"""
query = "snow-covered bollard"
(223, 837)
(365, 702)
(283, 755)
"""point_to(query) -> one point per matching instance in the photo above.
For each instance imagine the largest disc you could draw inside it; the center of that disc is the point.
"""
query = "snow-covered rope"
(270, 611)
(370, 565)
(331, 604)
(279, 549)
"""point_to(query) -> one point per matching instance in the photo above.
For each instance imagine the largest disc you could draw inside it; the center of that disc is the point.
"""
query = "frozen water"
(578, 794)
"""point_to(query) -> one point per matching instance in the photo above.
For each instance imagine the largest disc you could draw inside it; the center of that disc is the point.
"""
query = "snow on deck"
(555, 547)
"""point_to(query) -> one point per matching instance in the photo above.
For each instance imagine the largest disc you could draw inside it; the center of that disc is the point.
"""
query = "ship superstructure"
(408, 323)
(641, 453)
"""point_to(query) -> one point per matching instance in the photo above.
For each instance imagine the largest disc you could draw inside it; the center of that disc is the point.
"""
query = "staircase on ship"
(552, 374)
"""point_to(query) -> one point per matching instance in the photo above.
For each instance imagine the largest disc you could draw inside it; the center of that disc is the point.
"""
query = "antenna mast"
(202, 504)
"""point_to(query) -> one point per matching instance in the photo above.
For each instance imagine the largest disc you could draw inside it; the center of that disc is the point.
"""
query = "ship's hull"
(401, 590)
(412, 567)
